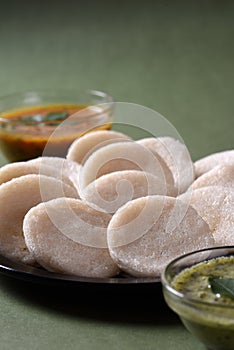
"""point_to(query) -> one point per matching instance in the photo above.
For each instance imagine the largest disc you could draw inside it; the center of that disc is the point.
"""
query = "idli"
(124, 156)
(64, 169)
(13, 170)
(221, 175)
(111, 191)
(215, 205)
(59, 168)
(148, 232)
(67, 236)
(209, 162)
(17, 196)
(82, 147)
(177, 158)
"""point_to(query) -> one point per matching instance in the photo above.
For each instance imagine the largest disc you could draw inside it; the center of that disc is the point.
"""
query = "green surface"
(173, 56)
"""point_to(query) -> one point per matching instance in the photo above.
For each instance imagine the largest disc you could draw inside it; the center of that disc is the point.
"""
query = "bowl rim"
(109, 103)
(182, 296)
(51, 90)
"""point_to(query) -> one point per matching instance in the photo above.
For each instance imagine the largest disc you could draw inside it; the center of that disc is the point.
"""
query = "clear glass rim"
(107, 104)
(183, 297)
(99, 93)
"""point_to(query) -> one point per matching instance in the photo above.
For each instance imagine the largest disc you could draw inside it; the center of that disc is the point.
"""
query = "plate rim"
(26, 272)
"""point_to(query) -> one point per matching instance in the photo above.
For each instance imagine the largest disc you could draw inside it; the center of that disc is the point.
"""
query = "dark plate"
(38, 275)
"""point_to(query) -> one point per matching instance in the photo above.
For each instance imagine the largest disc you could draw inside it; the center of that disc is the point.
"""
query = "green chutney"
(207, 315)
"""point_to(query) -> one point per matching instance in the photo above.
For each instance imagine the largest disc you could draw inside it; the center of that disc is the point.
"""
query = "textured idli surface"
(17, 197)
(215, 205)
(109, 192)
(14, 170)
(146, 233)
(64, 169)
(209, 162)
(124, 156)
(82, 147)
(221, 175)
(177, 158)
(67, 236)
(59, 168)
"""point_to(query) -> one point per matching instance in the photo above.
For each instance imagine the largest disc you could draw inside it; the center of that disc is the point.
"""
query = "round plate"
(39, 275)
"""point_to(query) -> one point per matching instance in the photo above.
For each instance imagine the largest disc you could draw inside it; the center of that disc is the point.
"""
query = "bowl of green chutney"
(199, 287)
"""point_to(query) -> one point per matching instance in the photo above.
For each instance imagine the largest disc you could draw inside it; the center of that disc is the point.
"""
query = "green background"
(175, 57)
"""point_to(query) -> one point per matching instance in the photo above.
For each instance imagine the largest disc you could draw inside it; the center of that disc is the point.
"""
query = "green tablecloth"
(175, 57)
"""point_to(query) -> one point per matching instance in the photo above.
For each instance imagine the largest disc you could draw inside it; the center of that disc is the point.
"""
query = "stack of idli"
(115, 204)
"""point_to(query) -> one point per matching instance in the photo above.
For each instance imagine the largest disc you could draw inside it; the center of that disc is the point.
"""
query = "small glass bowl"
(210, 322)
(22, 139)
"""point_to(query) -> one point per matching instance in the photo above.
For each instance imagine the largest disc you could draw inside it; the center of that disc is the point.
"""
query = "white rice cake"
(215, 205)
(209, 162)
(59, 168)
(177, 158)
(82, 147)
(147, 233)
(17, 197)
(109, 192)
(64, 169)
(221, 175)
(67, 236)
(124, 156)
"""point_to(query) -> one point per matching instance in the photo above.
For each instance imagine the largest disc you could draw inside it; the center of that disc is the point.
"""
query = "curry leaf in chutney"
(222, 286)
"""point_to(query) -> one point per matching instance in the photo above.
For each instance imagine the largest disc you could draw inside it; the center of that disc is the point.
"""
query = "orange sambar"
(22, 140)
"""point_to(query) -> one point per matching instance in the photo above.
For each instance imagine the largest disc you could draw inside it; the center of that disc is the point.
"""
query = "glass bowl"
(211, 320)
(47, 122)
